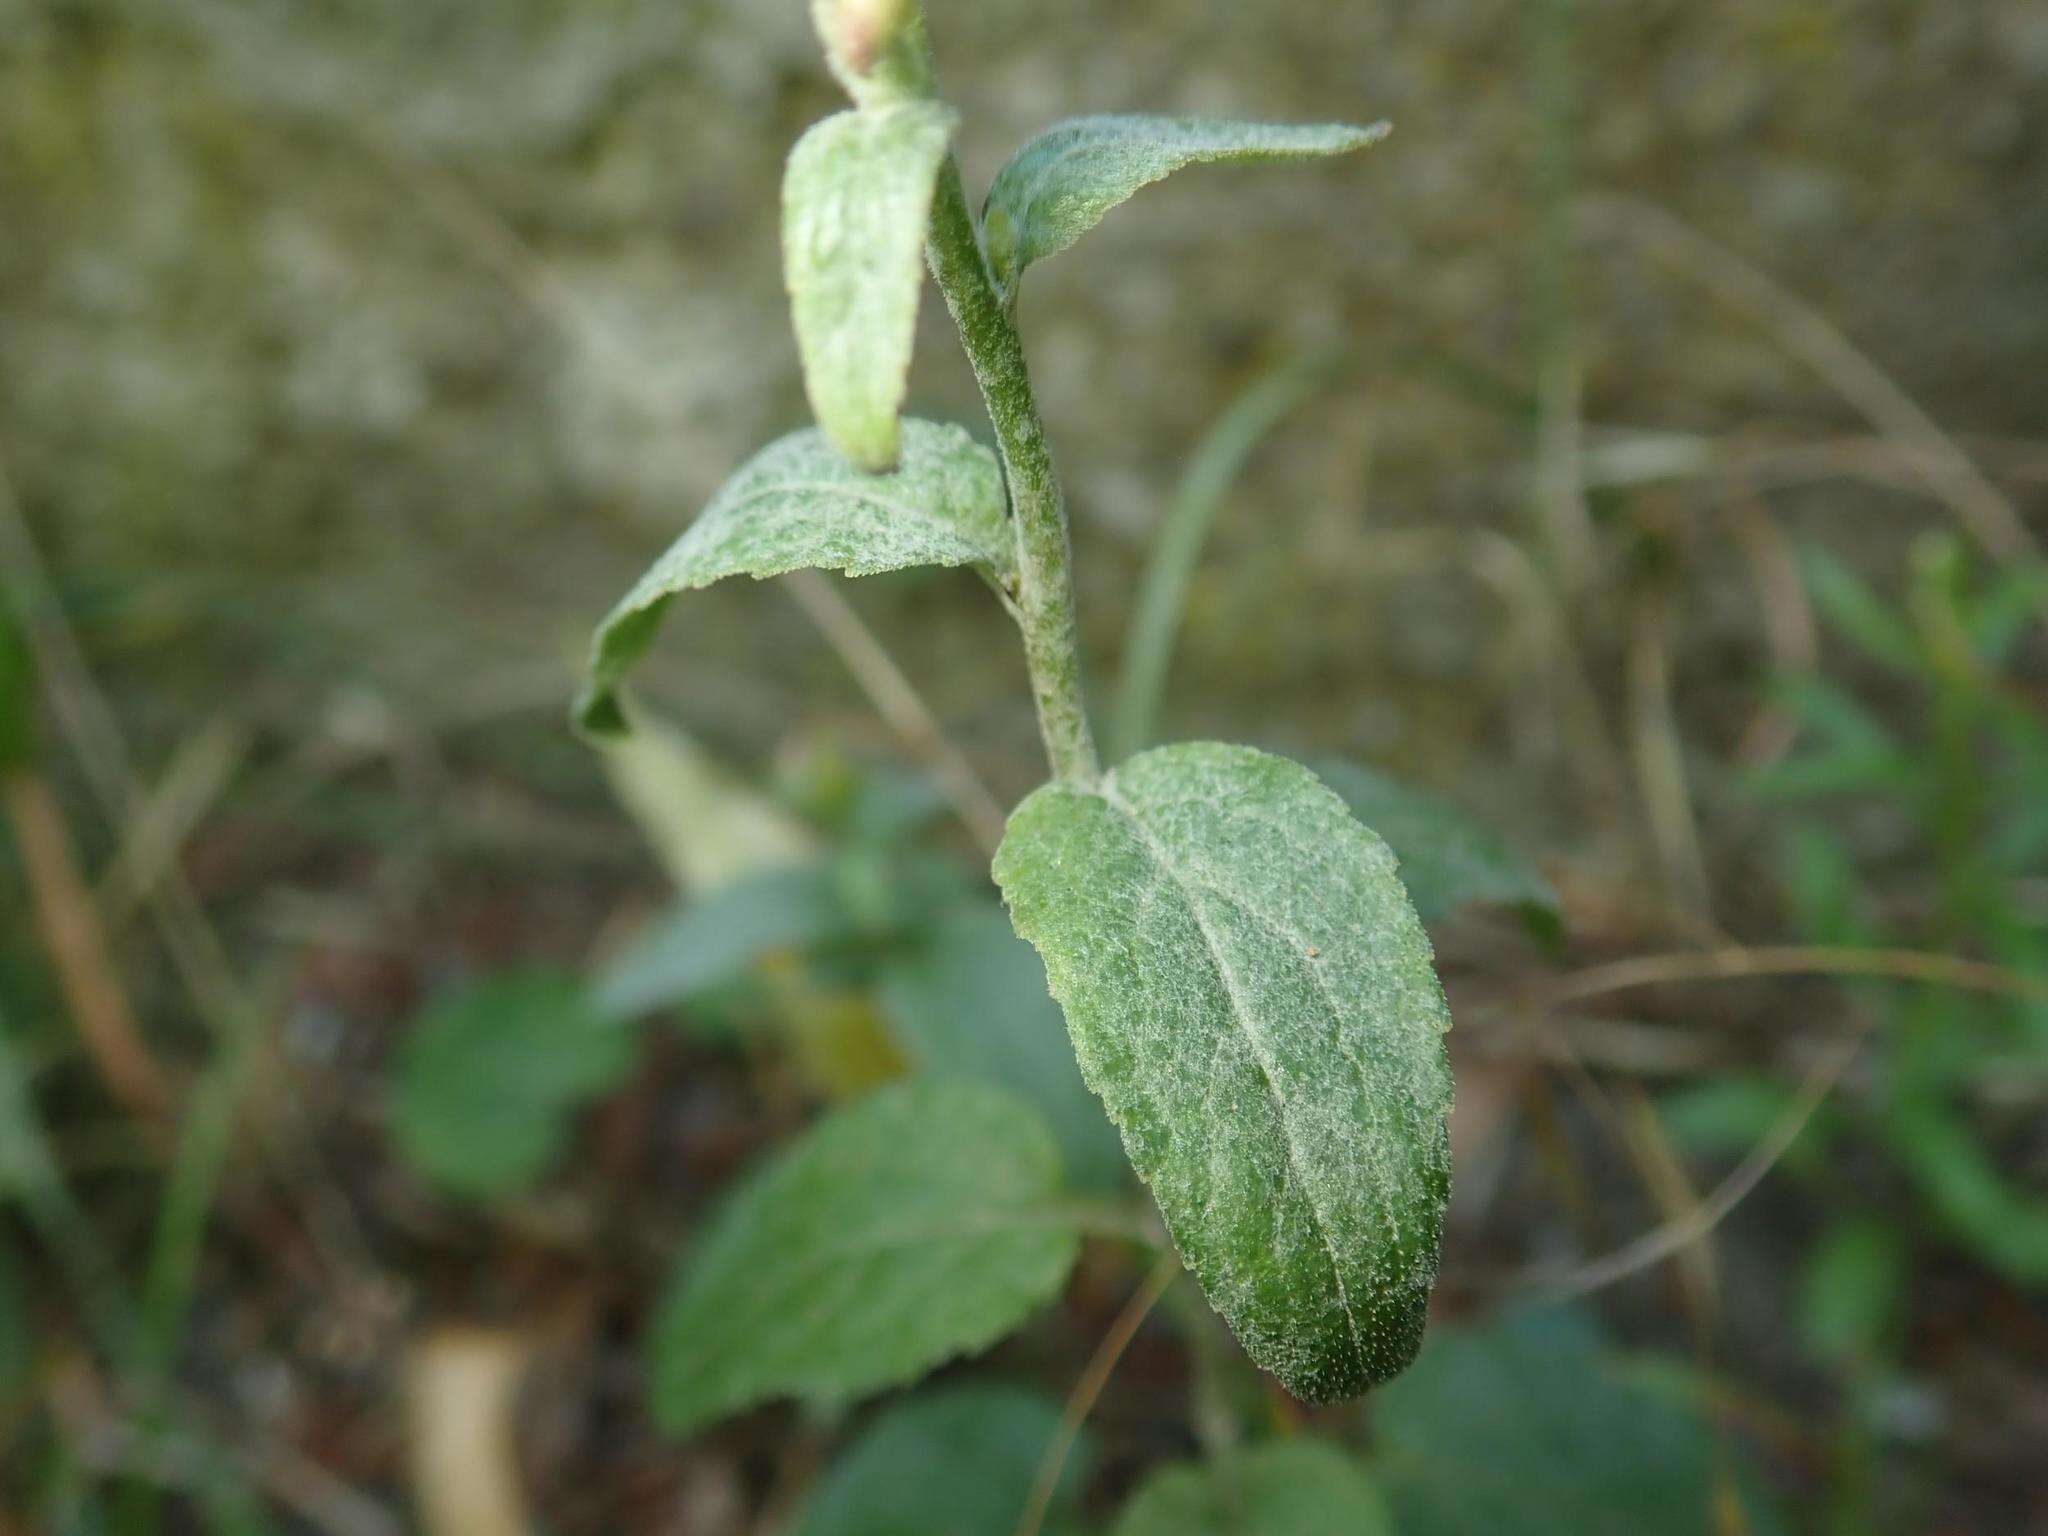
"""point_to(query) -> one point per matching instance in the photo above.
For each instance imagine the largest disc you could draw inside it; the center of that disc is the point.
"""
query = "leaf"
(1059, 185)
(971, 1001)
(1251, 994)
(484, 1084)
(1448, 860)
(715, 940)
(18, 1331)
(705, 826)
(798, 504)
(1859, 614)
(955, 1462)
(855, 202)
(17, 694)
(1851, 1287)
(1530, 1426)
(1287, 1488)
(923, 1222)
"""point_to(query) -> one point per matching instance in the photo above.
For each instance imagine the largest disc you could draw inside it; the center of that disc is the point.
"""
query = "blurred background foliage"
(1666, 488)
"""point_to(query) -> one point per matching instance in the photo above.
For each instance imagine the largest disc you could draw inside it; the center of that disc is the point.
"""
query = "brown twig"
(1676, 1236)
(1736, 963)
(1088, 1387)
(69, 924)
(899, 704)
(1941, 465)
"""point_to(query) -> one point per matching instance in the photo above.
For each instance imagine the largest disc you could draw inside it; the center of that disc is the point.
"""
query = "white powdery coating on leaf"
(1253, 997)
(799, 504)
(855, 201)
(1059, 185)
(919, 1224)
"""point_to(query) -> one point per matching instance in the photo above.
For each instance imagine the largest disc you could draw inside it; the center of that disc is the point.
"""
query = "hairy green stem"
(1045, 562)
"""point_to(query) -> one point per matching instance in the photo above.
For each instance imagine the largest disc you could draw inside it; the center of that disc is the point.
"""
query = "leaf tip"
(599, 715)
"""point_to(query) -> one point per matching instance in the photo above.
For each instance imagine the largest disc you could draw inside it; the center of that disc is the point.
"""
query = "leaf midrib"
(1191, 891)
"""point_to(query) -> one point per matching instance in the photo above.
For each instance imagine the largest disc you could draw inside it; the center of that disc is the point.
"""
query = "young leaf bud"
(875, 47)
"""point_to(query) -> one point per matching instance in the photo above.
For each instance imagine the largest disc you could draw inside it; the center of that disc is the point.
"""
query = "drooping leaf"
(1251, 994)
(855, 202)
(712, 941)
(923, 1222)
(970, 1000)
(1059, 185)
(705, 825)
(1287, 1488)
(1533, 1426)
(954, 1462)
(799, 503)
(484, 1084)
(1448, 860)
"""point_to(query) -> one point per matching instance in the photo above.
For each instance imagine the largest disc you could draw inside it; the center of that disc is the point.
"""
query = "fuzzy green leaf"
(1532, 1425)
(954, 1462)
(485, 1083)
(1061, 183)
(1252, 996)
(969, 1000)
(1448, 859)
(713, 941)
(1288, 1488)
(922, 1223)
(798, 504)
(855, 202)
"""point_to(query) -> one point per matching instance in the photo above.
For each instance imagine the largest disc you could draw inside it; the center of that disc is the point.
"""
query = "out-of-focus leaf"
(485, 1082)
(959, 1461)
(1059, 185)
(1448, 860)
(713, 941)
(2004, 1224)
(706, 826)
(1858, 614)
(1252, 995)
(1290, 1488)
(17, 695)
(17, 1336)
(1529, 1426)
(1851, 1288)
(1823, 886)
(839, 1043)
(921, 1223)
(2003, 614)
(1857, 752)
(855, 202)
(798, 503)
(1727, 1115)
(970, 1000)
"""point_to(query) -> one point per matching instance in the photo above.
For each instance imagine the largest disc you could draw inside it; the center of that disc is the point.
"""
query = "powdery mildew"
(1251, 994)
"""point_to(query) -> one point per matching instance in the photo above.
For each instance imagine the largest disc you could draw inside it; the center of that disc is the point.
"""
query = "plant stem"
(1045, 562)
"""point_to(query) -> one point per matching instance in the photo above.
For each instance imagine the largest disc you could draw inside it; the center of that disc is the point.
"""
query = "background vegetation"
(1643, 450)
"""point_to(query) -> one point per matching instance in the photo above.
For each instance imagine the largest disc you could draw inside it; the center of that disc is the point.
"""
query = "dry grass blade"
(1673, 1237)
(1088, 1387)
(1949, 473)
(69, 925)
(1738, 963)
